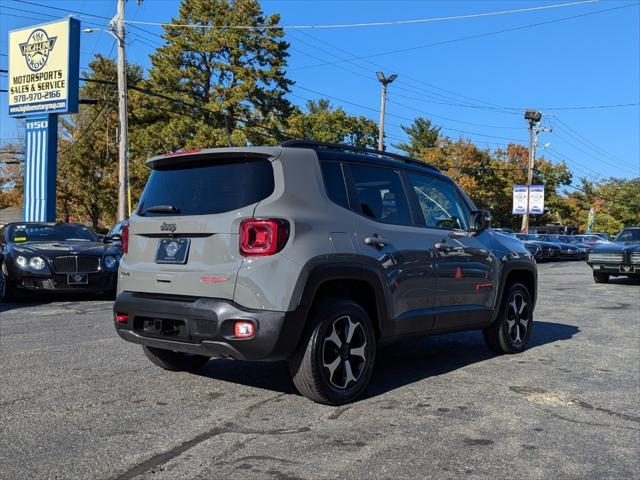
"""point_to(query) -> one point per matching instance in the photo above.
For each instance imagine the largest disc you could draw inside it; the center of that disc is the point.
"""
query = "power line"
(61, 9)
(403, 117)
(475, 36)
(590, 143)
(366, 24)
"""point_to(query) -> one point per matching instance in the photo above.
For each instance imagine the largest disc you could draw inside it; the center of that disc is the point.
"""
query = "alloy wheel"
(344, 352)
(518, 318)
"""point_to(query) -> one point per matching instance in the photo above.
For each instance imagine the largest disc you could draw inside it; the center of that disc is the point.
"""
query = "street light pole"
(383, 101)
(123, 170)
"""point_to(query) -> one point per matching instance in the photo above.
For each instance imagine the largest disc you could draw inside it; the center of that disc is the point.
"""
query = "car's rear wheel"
(174, 361)
(511, 331)
(601, 277)
(334, 362)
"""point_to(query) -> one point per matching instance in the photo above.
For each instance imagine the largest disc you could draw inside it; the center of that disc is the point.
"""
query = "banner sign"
(528, 200)
(520, 193)
(536, 199)
(43, 68)
(591, 220)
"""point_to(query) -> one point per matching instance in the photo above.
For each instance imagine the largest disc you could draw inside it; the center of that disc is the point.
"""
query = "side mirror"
(480, 220)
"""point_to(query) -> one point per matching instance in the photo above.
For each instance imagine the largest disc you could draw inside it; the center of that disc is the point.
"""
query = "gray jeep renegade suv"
(315, 254)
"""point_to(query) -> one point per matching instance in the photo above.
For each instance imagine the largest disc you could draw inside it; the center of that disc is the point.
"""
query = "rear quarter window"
(208, 187)
(334, 182)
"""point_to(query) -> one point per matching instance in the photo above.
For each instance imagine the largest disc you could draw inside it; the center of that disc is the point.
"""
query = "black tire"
(7, 291)
(174, 361)
(600, 277)
(352, 360)
(511, 331)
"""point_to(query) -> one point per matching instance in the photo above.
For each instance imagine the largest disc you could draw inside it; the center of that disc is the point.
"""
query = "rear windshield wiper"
(161, 209)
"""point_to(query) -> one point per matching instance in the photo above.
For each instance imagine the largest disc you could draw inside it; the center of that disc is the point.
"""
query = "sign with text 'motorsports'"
(43, 68)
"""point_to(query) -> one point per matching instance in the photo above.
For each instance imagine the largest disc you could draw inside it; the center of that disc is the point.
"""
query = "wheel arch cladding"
(526, 278)
(358, 290)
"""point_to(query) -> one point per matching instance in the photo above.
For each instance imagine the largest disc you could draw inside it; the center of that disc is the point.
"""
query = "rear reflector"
(122, 318)
(243, 330)
(263, 237)
(124, 242)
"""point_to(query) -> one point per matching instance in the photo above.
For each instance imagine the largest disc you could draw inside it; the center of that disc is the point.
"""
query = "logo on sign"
(172, 249)
(37, 48)
(168, 227)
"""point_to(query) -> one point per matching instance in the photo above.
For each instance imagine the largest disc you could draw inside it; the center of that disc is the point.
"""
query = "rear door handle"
(376, 241)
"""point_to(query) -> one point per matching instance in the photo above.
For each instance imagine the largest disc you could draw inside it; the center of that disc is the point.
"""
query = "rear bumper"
(207, 326)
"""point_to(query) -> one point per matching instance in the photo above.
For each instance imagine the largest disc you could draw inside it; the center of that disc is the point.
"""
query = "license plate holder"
(173, 250)
(77, 278)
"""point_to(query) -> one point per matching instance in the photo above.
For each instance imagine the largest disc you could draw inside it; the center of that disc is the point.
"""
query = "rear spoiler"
(211, 155)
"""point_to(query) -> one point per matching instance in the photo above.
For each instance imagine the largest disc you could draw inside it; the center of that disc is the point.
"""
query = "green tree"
(422, 136)
(231, 82)
(88, 149)
(324, 123)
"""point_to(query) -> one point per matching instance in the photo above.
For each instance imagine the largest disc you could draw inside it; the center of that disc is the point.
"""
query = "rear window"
(200, 189)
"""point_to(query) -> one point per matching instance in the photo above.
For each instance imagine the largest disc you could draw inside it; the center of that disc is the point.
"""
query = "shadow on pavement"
(399, 364)
(38, 299)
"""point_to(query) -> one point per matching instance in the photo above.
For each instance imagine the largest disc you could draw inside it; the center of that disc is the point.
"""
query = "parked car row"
(547, 247)
(619, 257)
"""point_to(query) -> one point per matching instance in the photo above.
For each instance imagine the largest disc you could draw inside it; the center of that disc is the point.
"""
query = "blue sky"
(462, 86)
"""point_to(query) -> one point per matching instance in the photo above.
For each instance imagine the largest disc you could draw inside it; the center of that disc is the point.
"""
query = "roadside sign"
(536, 199)
(528, 200)
(43, 68)
(520, 193)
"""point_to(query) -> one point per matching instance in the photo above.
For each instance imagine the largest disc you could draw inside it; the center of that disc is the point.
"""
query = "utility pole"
(383, 101)
(123, 146)
(533, 117)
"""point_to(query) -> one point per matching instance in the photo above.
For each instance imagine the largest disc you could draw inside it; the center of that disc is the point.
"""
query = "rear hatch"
(183, 238)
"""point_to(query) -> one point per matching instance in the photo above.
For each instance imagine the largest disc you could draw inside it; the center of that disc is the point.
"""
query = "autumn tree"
(88, 151)
(11, 174)
(324, 123)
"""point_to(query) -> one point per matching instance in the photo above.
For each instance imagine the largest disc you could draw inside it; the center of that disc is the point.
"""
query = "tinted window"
(631, 235)
(380, 193)
(59, 232)
(334, 183)
(198, 189)
(439, 202)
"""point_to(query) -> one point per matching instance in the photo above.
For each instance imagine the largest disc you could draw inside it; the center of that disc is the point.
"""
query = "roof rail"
(350, 148)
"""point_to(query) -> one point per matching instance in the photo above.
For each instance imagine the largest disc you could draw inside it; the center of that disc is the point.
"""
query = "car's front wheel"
(601, 277)
(6, 290)
(511, 331)
(174, 361)
(334, 362)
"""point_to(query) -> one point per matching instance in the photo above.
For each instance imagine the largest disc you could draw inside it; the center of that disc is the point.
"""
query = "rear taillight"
(124, 242)
(121, 317)
(263, 237)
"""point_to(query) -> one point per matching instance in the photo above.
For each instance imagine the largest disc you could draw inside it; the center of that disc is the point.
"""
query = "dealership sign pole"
(43, 83)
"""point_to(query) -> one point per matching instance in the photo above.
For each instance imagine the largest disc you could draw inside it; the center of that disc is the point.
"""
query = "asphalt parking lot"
(78, 402)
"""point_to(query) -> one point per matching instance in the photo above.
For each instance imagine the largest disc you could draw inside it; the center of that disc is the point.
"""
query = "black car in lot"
(567, 251)
(621, 257)
(48, 257)
(544, 250)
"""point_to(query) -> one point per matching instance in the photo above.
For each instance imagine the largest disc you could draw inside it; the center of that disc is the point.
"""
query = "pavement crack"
(164, 457)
